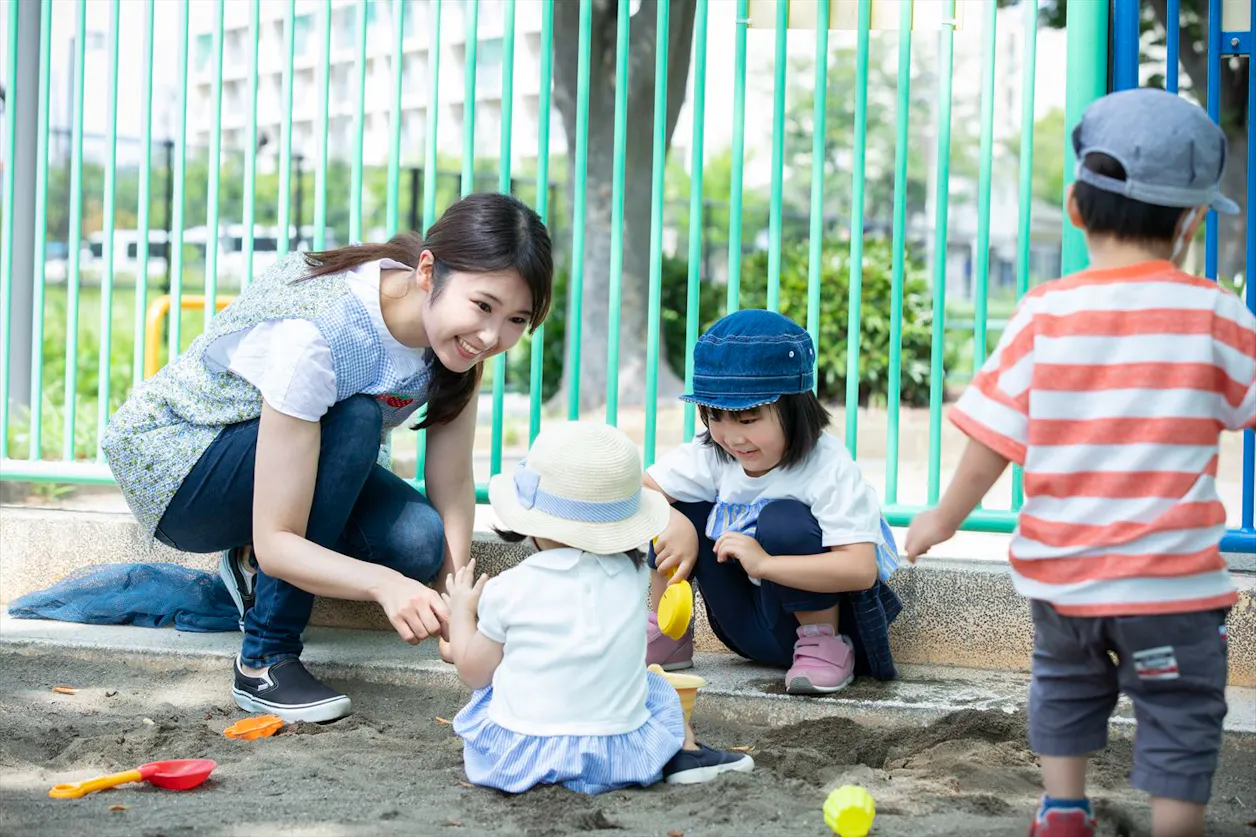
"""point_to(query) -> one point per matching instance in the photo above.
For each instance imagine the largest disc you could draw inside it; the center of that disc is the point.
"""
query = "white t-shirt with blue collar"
(573, 626)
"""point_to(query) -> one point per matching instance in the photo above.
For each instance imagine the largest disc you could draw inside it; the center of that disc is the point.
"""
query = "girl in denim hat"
(557, 658)
(772, 518)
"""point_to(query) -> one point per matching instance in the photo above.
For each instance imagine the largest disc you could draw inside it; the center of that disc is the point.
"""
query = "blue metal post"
(1125, 44)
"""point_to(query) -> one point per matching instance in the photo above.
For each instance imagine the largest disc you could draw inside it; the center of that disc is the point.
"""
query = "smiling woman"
(262, 440)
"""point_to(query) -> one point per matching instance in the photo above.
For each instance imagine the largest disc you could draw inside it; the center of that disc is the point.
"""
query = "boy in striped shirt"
(1111, 387)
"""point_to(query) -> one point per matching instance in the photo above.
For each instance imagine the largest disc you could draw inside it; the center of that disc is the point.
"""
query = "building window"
(345, 27)
(302, 29)
(204, 51)
(488, 68)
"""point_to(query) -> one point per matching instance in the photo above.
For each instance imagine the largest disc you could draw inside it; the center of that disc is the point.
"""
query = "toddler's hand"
(743, 549)
(463, 589)
(676, 549)
(927, 531)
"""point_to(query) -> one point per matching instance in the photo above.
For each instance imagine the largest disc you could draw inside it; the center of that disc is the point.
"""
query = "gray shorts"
(1172, 666)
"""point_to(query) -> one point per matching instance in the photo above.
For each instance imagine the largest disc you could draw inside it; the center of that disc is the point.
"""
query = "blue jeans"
(757, 621)
(359, 509)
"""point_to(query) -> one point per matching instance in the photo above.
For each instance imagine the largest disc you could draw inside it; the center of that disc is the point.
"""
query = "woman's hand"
(676, 549)
(743, 549)
(415, 610)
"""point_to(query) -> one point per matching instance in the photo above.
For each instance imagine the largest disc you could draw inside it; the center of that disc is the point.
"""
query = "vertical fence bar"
(215, 161)
(1029, 71)
(75, 237)
(902, 114)
(394, 147)
(739, 154)
(41, 235)
(359, 129)
(778, 158)
(1249, 436)
(819, 120)
(503, 186)
(110, 198)
(6, 243)
(320, 171)
(250, 145)
(145, 187)
(615, 291)
(1086, 79)
(285, 129)
(1173, 39)
(177, 205)
(429, 180)
(693, 299)
(984, 178)
(855, 297)
(468, 97)
(1214, 111)
(937, 350)
(537, 369)
(656, 231)
(576, 289)
(1125, 20)
(431, 120)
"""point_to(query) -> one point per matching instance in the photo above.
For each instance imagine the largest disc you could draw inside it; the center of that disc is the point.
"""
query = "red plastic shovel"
(176, 774)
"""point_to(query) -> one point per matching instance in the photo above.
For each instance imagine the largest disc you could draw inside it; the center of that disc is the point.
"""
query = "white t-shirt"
(828, 482)
(573, 626)
(289, 361)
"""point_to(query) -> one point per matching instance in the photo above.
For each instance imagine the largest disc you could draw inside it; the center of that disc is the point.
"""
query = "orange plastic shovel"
(176, 774)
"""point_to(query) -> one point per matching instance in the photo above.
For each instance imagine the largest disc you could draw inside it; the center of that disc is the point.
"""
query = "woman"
(267, 432)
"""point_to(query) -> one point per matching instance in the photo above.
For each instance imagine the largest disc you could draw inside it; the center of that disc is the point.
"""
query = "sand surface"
(392, 769)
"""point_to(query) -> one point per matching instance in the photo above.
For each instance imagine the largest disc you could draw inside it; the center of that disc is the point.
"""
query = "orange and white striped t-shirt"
(1111, 388)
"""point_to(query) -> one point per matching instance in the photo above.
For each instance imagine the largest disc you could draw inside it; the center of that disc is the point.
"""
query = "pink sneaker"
(662, 650)
(823, 663)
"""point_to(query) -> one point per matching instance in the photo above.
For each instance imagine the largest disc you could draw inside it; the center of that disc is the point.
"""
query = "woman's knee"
(787, 527)
(420, 534)
(351, 429)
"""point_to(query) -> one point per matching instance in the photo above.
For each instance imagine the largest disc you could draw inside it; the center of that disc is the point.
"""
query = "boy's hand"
(743, 549)
(463, 589)
(676, 548)
(928, 529)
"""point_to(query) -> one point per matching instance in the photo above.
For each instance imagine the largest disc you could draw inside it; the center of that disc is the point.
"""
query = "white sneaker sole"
(319, 712)
(804, 686)
(706, 774)
(679, 665)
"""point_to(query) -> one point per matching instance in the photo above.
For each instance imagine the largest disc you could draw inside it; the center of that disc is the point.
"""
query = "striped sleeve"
(994, 410)
(1234, 347)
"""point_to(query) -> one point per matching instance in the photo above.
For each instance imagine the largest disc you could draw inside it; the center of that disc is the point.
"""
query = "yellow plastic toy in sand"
(849, 811)
(676, 609)
(686, 685)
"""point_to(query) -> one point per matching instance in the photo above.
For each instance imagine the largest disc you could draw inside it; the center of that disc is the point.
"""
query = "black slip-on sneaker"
(689, 767)
(288, 690)
(239, 573)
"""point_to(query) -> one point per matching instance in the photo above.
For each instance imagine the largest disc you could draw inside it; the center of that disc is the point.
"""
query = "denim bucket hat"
(750, 358)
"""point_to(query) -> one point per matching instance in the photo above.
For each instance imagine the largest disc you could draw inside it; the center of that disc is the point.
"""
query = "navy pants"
(757, 621)
(359, 509)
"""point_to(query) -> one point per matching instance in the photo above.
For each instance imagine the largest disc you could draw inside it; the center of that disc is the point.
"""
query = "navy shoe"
(689, 767)
(288, 690)
(238, 570)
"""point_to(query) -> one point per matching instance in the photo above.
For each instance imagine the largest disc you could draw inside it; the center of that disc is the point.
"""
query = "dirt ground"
(392, 769)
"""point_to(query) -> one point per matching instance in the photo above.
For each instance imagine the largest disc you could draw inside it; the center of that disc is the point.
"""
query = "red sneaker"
(1063, 822)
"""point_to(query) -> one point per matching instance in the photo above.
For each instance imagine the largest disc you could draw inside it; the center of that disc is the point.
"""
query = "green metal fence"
(424, 21)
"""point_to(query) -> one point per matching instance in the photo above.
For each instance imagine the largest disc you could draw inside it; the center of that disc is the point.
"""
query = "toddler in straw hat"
(557, 656)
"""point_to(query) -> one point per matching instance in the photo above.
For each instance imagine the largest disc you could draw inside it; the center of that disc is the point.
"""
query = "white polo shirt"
(573, 626)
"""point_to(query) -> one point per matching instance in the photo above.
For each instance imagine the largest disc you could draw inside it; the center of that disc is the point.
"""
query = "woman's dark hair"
(482, 233)
(636, 556)
(1125, 219)
(803, 418)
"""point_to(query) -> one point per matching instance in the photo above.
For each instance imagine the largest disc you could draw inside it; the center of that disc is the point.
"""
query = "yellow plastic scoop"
(676, 609)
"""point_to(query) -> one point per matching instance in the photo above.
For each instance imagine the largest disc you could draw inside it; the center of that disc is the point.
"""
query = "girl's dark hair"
(636, 556)
(803, 418)
(1125, 219)
(482, 233)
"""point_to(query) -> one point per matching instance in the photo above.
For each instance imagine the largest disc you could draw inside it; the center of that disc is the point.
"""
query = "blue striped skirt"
(496, 757)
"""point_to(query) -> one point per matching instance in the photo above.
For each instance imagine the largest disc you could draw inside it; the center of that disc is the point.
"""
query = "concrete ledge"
(956, 613)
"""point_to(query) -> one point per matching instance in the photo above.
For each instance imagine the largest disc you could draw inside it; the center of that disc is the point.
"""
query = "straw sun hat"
(581, 485)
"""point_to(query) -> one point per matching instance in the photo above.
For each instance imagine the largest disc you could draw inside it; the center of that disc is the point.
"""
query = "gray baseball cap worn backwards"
(1173, 154)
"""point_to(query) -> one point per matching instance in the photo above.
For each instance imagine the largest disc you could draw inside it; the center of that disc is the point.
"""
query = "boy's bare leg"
(1064, 777)
(1176, 818)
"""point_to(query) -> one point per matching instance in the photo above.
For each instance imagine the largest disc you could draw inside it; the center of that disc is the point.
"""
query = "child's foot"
(689, 767)
(238, 569)
(288, 690)
(665, 652)
(823, 663)
(1060, 821)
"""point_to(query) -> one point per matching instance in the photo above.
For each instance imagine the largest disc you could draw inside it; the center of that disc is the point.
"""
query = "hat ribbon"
(530, 495)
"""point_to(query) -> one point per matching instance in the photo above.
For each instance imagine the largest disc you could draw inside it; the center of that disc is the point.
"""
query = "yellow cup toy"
(676, 609)
(849, 811)
(686, 685)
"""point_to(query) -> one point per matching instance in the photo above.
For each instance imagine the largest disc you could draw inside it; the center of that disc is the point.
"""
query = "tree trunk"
(598, 183)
